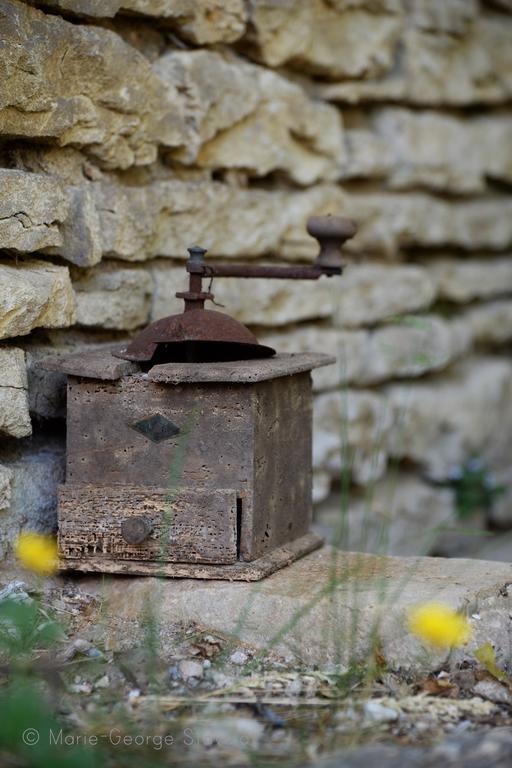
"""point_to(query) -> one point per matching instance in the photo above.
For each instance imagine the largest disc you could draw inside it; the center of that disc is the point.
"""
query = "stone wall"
(132, 128)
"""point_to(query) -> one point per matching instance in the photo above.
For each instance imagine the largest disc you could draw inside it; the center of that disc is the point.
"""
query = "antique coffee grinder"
(189, 451)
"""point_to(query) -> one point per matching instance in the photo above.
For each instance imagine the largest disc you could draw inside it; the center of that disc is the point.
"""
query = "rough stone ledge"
(481, 749)
(34, 294)
(202, 22)
(322, 621)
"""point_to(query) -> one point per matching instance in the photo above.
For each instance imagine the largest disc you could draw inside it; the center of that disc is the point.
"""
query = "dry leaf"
(487, 657)
(438, 686)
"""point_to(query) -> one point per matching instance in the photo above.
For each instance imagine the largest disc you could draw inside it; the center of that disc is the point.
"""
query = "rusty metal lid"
(197, 335)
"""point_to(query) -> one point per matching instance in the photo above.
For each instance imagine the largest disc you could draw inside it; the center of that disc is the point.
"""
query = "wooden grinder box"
(189, 451)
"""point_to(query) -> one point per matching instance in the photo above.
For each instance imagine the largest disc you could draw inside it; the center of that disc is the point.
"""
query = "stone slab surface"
(322, 608)
(490, 749)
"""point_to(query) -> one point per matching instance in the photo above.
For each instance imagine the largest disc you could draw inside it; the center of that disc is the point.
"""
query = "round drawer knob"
(135, 530)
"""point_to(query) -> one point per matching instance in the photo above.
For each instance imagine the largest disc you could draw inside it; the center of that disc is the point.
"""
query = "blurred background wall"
(130, 129)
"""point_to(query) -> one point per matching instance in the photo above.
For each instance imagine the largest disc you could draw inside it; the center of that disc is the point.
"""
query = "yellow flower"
(439, 625)
(37, 553)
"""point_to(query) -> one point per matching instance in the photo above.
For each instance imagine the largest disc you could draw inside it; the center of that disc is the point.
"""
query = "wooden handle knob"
(136, 529)
(331, 232)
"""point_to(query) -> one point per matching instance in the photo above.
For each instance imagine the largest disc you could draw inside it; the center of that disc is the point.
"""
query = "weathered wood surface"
(213, 449)
(239, 571)
(186, 526)
(93, 364)
(282, 494)
(240, 371)
(252, 438)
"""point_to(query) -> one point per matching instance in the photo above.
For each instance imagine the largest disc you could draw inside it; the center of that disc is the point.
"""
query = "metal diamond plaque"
(157, 428)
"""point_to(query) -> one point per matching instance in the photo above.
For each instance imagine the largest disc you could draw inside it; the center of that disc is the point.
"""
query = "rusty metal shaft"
(262, 270)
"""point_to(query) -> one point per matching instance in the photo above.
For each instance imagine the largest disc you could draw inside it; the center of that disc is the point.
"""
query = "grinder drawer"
(145, 523)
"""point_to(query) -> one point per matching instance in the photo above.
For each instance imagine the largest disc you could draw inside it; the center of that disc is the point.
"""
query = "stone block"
(285, 611)
(34, 294)
(441, 68)
(321, 486)
(490, 323)
(463, 280)
(35, 467)
(32, 208)
(165, 217)
(38, 212)
(5, 487)
(493, 141)
(368, 293)
(336, 40)
(465, 536)
(350, 430)
(202, 22)
(496, 548)
(356, 92)
(410, 347)
(500, 514)
(82, 86)
(81, 237)
(113, 298)
(247, 117)
(414, 149)
(432, 150)
(47, 389)
(14, 413)
(399, 515)
(312, 337)
(67, 164)
(460, 70)
(367, 155)
(442, 423)
(274, 302)
(452, 17)
(168, 278)
(356, 430)
(390, 222)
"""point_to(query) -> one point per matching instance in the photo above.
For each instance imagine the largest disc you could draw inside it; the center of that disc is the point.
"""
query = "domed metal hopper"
(200, 335)
(196, 336)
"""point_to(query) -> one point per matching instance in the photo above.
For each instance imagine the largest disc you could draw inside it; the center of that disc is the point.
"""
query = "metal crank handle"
(331, 232)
